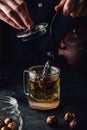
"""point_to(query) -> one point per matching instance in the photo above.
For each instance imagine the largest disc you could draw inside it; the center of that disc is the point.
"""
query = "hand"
(15, 13)
(73, 7)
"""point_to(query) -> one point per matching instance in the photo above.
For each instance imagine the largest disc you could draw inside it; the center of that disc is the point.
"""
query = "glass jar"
(10, 116)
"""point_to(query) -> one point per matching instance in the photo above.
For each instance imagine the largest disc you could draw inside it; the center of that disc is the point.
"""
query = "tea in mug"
(44, 91)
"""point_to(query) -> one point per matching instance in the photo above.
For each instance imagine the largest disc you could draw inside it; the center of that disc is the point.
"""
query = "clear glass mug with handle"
(42, 90)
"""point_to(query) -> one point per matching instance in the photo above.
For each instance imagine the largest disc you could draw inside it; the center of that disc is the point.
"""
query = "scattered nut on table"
(8, 120)
(73, 123)
(52, 120)
(8, 124)
(1, 124)
(5, 128)
(69, 120)
(13, 125)
(69, 116)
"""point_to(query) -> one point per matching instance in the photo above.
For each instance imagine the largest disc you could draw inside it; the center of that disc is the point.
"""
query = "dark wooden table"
(73, 99)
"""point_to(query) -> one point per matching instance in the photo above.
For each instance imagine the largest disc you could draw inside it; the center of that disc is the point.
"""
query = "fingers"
(11, 14)
(24, 5)
(8, 20)
(60, 5)
(21, 8)
(80, 9)
(68, 6)
(17, 13)
(73, 7)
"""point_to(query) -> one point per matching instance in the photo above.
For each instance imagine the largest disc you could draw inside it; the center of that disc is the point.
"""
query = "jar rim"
(7, 102)
(57, 69)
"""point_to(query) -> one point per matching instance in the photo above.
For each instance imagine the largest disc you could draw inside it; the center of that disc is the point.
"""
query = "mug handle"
(26, 82)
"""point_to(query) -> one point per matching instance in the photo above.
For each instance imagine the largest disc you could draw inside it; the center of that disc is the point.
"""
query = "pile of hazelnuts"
(69, 119)
(8, 124)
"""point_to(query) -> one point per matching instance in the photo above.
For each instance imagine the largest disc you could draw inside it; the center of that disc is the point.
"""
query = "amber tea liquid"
(44, 93)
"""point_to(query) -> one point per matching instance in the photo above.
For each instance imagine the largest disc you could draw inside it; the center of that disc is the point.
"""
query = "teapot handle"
(26, 82)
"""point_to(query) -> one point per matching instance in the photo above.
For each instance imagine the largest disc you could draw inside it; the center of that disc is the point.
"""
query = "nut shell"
(2, 124)
(69, 116)
(73, 123)
(5, 128)
(8, 120)
(13, 125)
(52, 120)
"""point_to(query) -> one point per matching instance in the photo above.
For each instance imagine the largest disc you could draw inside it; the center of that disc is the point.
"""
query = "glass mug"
(43, 90)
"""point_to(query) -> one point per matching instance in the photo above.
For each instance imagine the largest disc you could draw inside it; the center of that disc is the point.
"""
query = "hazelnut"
(69, 116)
(73, 123)
(13, 125)
(8, 120)
(5, 128)
(1, 124)
(52, 120)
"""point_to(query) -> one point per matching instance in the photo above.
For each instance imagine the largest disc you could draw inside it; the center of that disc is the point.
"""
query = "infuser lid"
(29, 34)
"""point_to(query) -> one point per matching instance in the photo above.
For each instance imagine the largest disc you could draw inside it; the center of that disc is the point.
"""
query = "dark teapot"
(74, 46)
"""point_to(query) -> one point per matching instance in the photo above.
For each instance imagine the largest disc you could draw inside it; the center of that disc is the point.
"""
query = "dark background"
(16, 56)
